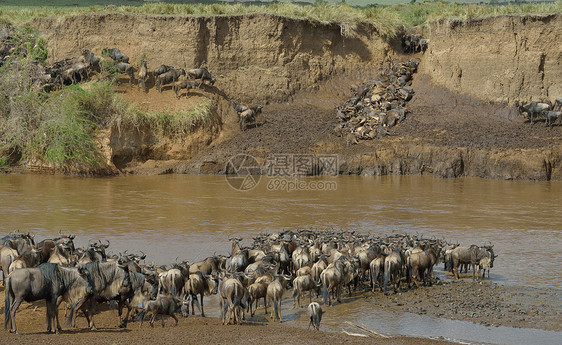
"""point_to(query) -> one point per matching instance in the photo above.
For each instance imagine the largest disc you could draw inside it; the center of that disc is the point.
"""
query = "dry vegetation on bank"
(387, 19)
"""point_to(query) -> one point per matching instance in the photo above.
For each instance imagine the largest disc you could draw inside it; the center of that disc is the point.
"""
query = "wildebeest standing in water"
(50, 282)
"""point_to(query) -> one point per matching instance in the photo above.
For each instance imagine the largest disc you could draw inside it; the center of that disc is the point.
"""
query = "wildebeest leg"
(15, 305)
(175, 318)
(202, 309)
(264, 304)
(152, 319)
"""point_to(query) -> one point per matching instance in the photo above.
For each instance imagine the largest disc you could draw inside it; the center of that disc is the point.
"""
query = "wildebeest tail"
(275, 309)
(174, 287)
(386, 274)
(7, 302)
(196, 301)
(325, 292)
(295, 289)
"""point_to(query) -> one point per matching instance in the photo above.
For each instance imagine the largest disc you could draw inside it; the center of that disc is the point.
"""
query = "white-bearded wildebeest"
(315, 315)
(7, 256)
(203, 74)
(471, 255)
(115, 54)
(200, 284)
(248, 116)
(107, 280)
(393, 268)
(173, 280)
(33, 258)
(126, 68)
(161, 70)
(419, 266)
(168, 77)
(377, 270)
(275, 293)
(532, 109)
(50, 282)
(91, 58)
(231, 298)
(138, 292)
(301, 284)
(183, 83)
(256, 291)
(212, 265)
(332, 278)
(239, 261)
(164, 305)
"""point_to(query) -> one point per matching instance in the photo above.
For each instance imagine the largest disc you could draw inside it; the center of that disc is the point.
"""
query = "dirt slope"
(461, 120)
(499, 59)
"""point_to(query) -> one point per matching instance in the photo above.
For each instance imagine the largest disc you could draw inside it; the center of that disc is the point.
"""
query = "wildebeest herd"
(377, 105)
(320, 263)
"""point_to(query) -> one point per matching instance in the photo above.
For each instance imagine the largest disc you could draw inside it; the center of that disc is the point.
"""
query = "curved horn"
(143, 255)
(107, 245)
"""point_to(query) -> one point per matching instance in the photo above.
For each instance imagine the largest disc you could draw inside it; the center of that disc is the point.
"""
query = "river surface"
(191, 217)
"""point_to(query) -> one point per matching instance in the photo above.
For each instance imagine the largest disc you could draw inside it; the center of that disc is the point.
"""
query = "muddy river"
(191, 217)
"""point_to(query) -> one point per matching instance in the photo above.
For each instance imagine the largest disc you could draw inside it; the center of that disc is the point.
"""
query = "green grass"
(387, 19)
(172, 124)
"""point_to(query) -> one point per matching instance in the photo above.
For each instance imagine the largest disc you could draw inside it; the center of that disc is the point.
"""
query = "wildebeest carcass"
(115, 54)
(50, 282)
(203, 74)
(164, 305)
(168, 77)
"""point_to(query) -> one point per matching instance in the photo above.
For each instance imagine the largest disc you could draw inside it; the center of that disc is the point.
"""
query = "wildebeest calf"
(164, 305)
(184, 83)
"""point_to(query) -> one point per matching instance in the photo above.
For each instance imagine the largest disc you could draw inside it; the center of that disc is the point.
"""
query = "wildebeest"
(164, 305)
(143, 72)
(91, 58)
(315, 315)
(126, 68)
(332, 278)
(115, 54)
(137, 293)
(532, 109)
(161, 70)
(173, 280)
(168, 77)
(231, 300)
(50, 282)
(200, 284)
(550, 117)
(7, 256)
(238, 108)
(256, 291)
(248, 116)
(239, 261)
(275, 294)
(107, 280)
(183, 83)
(212, 265)
(393, 268)
(419, 266)
(471, 255)
(203, 74)
(301, 284)
(377, 271)
(33, 258)
(76, 73)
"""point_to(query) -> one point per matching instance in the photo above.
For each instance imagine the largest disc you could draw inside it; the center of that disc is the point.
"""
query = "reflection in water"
(192, 216)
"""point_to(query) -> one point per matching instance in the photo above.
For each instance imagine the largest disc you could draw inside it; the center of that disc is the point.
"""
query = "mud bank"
(461, 121)
(256, 57)
(500, 59)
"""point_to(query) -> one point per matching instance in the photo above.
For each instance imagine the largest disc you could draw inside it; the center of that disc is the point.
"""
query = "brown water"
(191, 217)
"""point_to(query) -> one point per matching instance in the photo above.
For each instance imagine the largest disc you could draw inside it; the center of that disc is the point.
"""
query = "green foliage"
(28, 44)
